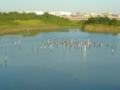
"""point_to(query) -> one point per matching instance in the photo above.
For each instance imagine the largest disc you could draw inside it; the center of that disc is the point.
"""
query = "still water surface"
(34, 65)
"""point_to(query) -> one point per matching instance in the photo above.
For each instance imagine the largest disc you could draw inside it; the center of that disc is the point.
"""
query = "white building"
(57, 13)
(65, 13)
(54, 13)
(60, 13)
(36, 12)
(39, 12)
(91, 15)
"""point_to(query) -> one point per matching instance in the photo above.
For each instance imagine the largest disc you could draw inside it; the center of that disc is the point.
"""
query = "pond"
(72, 60)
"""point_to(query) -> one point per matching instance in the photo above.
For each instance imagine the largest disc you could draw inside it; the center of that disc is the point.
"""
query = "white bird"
(50, 46)
(5, 57)
(19, 42)
(44, 46)
(85, 48)
(15, 43)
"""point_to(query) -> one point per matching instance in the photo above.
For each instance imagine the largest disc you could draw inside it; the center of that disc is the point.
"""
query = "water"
(61, 68)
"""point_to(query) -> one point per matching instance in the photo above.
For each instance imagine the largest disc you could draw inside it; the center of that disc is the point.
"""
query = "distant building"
(86, 15)
(118, 15)
(57, 13)
(39, 12)
(60, 13)
(107, 13)
(93, 15)
(36, 12)
(54, 13)
(65, 13)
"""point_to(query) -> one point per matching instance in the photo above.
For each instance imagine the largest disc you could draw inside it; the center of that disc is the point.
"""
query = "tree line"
(17, 16)
(102, 21)
(9, 18)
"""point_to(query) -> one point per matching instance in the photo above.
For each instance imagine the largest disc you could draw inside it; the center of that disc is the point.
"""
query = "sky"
(74, 6)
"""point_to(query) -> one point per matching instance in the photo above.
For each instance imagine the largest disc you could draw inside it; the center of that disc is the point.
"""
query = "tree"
(114, 22)
(46, 14)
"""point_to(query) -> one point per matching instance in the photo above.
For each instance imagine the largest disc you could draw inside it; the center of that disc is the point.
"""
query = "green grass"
(35, 24)
(29, 22)
(25, 25)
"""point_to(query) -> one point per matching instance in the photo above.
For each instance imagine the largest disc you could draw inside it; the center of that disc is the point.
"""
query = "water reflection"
(1, 46)
(32, 48)
(5, 58)
(6, 63)
(74, 30)
(0, 63)
(19, 47)
(84, 55)
(64, 54)
(15, 43)
(50, 47)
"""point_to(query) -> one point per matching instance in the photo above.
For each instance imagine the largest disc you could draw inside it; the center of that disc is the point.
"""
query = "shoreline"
(101, 29)
(41, 27)
(31, 30)
(8, 29)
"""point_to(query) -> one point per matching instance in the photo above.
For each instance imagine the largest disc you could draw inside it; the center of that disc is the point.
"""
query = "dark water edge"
(30, 32)
(33, 32)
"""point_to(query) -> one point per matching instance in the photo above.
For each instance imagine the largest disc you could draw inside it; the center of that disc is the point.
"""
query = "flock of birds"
(71, 43)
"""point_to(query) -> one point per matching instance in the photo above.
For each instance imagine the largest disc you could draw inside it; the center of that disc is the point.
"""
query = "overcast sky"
(74, 6)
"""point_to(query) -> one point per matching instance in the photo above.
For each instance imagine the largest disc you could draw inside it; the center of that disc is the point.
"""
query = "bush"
(103, 21)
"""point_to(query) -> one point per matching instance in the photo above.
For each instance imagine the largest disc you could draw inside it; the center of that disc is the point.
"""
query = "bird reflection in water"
(15, 43)
(50, 46)
(0, 63)
(38, 48)
(84, 55)
(32, 48)
(5, 63)
(5, 58)
(19, 47)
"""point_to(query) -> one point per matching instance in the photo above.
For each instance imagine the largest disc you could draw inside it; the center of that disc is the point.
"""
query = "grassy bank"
(32, 26)
(26, 25)
(101, 28)
(101, 24)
